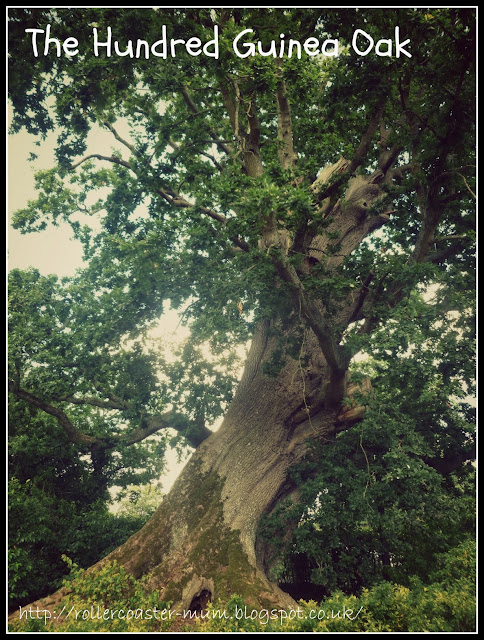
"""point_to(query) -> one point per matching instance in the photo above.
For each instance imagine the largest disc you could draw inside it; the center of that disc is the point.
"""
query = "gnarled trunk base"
(200, 545)
(202, 539)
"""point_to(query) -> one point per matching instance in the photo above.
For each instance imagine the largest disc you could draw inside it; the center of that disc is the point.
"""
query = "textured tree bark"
(202, 542)
(203, 536)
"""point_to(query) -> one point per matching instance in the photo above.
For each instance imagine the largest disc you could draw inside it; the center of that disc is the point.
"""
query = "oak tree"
(319, 206)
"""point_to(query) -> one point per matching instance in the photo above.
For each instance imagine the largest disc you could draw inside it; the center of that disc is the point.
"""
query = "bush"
(43, 527)
(109, 599)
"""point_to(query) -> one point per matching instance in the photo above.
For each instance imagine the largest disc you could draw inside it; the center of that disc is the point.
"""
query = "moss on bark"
(188, 538)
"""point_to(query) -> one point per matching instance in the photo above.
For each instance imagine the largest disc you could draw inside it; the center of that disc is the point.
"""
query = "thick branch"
(453, 248)
(431, 217)
(74, 435)
(387, 156)
(286, 154)
(97, 402)
(323, 331)
(354, 412)
(194, 432)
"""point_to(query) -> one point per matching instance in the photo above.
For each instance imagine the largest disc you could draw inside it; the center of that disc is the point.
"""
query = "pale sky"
(54, 250)
(51, 251)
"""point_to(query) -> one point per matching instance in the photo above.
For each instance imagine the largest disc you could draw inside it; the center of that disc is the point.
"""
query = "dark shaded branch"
(426, 235)
(388, 157)
(449, 464)
(451, 250)
(363, 293)
(388, 153)
(74, 435)
(194, 432)
(430, 206)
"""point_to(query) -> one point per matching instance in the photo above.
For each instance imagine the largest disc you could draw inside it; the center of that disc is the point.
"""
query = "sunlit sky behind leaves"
(55, 250)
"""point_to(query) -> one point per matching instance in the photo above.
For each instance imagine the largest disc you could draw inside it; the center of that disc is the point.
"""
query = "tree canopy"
(197, 239)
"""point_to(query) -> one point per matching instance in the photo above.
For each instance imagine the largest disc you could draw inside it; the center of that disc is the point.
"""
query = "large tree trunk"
(202, 539)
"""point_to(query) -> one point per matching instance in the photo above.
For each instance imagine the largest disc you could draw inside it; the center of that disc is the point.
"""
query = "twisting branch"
(286, 154)
(127, 144)
(98, 156)
(467, 185)
(194, 432)
(194, 109)
(170, 195)
(74, 435)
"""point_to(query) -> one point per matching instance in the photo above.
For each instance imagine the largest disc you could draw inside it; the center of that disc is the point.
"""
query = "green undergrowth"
(110, 600)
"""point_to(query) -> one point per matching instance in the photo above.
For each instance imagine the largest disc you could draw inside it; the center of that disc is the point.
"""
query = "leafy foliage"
(139, 501)
(42, 527)
(57, 504)
(111, 600)
(393, 490)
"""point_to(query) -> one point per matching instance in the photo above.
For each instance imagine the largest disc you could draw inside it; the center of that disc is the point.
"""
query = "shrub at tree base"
(111, 600)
